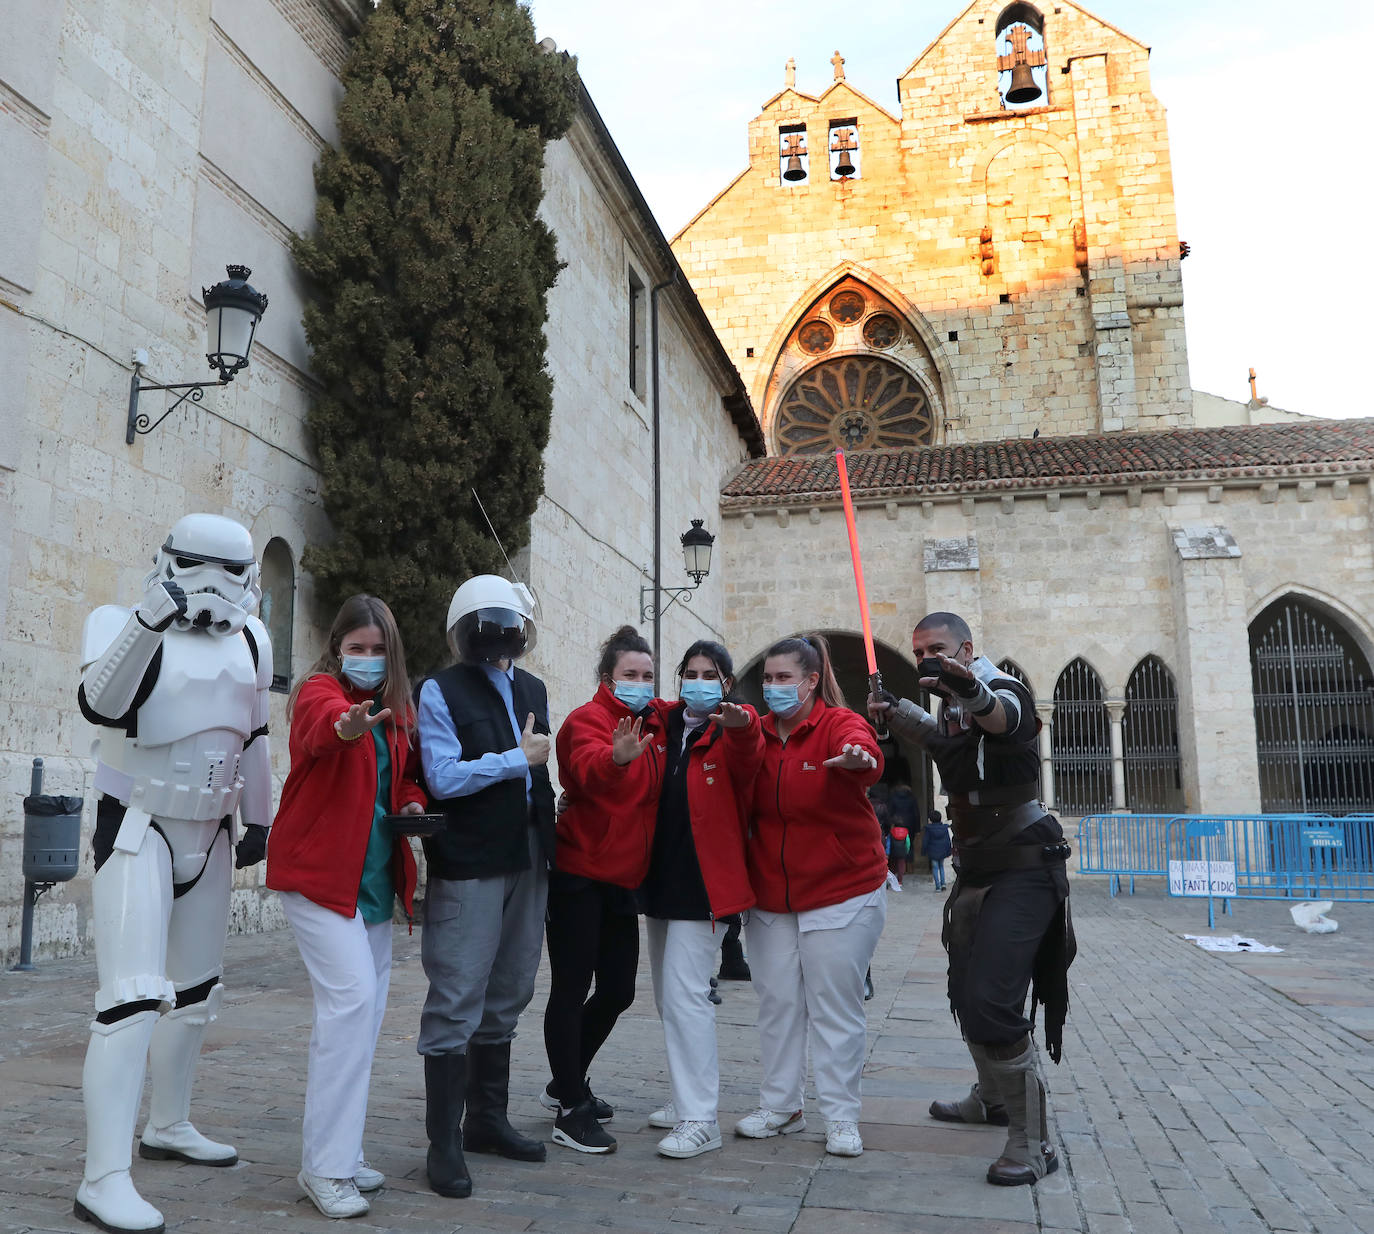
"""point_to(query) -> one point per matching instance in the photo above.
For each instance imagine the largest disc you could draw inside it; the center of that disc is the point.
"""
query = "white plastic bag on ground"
(1311, 917)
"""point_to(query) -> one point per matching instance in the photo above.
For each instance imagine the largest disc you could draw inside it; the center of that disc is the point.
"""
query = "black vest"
(488, 830)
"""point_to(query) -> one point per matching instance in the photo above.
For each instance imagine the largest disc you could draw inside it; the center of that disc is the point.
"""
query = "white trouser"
(349, 963)
(682, 958)
(811, 988)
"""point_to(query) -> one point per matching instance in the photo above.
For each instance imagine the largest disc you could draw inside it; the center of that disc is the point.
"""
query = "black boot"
(487, 1129)
(446, 1081)
(733, 965)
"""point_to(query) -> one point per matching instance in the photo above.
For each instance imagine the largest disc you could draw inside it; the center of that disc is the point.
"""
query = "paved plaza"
(1198, 1092)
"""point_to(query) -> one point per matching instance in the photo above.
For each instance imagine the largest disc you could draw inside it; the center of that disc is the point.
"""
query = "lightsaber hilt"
(875, 688)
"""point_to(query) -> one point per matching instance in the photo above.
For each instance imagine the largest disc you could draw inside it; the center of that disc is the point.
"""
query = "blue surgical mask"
(782, 700)
(634, 694)
(701, 697)
(365, 672)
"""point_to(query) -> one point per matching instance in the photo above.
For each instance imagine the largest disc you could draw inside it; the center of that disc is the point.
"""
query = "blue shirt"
(447, 773)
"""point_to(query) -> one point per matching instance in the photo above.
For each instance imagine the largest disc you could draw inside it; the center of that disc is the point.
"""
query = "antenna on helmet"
(515, 577)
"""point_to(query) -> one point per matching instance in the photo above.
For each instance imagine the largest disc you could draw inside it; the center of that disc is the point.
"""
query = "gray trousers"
(480, 947)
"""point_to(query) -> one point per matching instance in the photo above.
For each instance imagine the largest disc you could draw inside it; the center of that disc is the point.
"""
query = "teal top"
(377, 889)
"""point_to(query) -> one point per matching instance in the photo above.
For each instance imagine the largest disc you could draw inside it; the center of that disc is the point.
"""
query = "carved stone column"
(1046, 713)
(1116, 709)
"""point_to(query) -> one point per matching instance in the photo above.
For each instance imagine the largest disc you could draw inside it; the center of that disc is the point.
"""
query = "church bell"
(844, 165)
(1023, 85)
(794, 171)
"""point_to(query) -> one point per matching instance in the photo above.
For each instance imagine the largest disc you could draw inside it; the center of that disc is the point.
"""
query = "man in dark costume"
(1007, 922)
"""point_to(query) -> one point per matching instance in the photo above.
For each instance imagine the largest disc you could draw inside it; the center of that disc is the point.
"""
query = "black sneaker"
(579, 1129)
(602, 1109)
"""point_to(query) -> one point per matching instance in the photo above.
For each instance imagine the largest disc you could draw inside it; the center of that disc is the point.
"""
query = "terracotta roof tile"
(1260, 450)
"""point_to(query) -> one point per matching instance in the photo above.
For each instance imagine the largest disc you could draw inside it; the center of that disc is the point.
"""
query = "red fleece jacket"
(606, 830)
(319, 838)
(721, 768)
(815, 839)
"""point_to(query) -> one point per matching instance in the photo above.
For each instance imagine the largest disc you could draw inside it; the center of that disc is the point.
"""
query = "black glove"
(962, 687)
(252, 848)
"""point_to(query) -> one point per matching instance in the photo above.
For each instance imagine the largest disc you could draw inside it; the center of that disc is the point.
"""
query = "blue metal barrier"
(1276, 856)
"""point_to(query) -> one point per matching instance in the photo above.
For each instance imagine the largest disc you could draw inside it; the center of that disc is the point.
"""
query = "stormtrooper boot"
(111, 1086)
(172, 1061)
(1027, 1156)
(983, 1103)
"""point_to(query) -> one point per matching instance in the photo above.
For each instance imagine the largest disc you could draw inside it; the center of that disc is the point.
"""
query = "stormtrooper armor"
(179, 685)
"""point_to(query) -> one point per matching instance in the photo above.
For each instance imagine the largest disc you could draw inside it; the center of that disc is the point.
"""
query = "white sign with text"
(1189, 878)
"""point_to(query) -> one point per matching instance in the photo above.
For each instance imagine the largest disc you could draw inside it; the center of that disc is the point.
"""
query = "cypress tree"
(430, 273)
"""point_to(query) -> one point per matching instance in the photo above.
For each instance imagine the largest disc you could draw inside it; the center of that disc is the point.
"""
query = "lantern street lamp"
(696, 553)
(232, 312)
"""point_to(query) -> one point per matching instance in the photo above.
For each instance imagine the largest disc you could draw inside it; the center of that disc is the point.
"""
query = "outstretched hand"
(953, 676)
(852, 758)
(356, 721)
(627, 744)
(731, 715)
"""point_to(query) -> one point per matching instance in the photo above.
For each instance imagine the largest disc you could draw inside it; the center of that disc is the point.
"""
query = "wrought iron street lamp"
(232, 312)
(696, 554)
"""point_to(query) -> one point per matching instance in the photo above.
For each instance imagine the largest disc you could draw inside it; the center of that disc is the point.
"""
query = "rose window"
(881, 330)
(815, 338)
(853, 403)
(847, 307)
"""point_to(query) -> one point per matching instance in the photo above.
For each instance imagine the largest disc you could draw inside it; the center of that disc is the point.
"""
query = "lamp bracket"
(138, 422)
(649, 610)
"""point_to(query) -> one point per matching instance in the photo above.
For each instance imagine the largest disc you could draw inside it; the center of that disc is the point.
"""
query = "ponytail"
(814, 653)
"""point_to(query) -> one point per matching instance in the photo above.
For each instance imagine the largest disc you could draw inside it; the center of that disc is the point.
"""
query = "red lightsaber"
(875, 678)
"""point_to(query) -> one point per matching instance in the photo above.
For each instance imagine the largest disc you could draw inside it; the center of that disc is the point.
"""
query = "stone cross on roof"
(838, 61)
(789, 73)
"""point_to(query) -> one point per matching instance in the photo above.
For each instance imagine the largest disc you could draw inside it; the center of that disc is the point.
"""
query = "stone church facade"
(979, 296)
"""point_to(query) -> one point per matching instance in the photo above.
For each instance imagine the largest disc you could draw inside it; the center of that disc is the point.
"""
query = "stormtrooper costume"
(181, 683)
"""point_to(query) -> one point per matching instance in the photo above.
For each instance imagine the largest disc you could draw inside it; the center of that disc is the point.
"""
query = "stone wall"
(153, 153)
(1076, 573)
(1075, 323)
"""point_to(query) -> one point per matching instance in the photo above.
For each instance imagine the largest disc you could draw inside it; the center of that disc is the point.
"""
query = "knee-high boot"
(111, 1086)
(446, 1081)
(983, 1104)
(1027, 1156)
(487, 1128)
(172, 1061)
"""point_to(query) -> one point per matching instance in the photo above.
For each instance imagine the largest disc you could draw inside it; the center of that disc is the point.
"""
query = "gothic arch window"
(1314, 711)
(1149, 740)
(1017, 673)
(278, 607)
(1081, 742)
(851, 382)
(1022, 67)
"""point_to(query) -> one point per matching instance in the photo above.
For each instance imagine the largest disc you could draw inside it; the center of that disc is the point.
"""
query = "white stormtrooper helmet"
(490, 619)
(211, 559)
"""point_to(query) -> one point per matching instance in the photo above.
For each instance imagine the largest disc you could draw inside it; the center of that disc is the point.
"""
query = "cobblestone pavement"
(1198, 1092)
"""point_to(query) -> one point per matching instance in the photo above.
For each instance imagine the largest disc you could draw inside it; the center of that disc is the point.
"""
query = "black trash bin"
(52, 838)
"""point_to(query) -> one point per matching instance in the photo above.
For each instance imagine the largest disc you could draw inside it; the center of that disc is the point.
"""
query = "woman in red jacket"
(339, 868)
(818, 870)
(697, 874)
(610, 764)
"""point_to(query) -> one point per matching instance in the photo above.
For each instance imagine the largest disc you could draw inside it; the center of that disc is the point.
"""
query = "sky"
(1268, 126)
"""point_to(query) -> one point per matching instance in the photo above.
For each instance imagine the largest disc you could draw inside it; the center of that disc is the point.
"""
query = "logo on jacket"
(708, 766)
(808, 766)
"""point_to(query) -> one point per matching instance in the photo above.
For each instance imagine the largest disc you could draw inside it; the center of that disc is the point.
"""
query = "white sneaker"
(665, 1116)
(690, 1139)
(763, 1124)
(842, 1138)
(368, 1179)
(334, 1197)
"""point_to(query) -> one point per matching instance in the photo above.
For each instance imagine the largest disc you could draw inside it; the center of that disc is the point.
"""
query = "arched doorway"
(1149, 740)
(1314, 711)
(1081, 742)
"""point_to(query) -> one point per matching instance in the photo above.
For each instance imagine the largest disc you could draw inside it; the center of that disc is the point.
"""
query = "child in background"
(936, 845)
